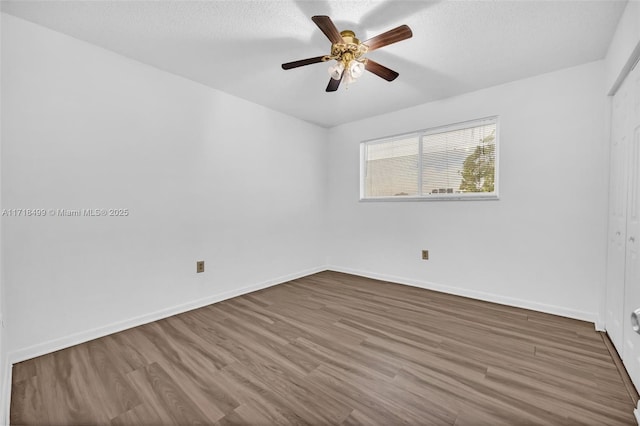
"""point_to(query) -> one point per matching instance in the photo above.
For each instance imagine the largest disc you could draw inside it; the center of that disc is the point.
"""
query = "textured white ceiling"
(238, 46)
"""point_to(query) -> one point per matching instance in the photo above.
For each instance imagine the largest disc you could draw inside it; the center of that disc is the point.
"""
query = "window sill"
(443, 197)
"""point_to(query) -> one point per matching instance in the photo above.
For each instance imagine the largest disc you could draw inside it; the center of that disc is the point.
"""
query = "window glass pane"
(391, 168)
(459, 161)
(449, 162)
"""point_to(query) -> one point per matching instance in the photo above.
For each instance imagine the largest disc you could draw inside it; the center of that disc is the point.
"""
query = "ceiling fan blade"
(302, 62)
(328, 28)
(395, 35)
(380, 70)
(334, 84)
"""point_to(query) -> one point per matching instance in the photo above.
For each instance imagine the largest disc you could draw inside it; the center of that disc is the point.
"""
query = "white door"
(631, 351)
(616, 253)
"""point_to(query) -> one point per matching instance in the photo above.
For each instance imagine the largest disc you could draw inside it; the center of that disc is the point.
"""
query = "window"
(450, 162)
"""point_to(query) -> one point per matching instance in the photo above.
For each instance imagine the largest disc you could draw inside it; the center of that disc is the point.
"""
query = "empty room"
(273, 212)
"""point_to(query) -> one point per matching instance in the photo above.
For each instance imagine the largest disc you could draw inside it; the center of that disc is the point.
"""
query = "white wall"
(540, 246)
(4, 364)
(205, 176)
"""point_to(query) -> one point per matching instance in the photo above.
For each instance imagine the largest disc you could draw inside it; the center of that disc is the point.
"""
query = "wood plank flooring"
(332, 349)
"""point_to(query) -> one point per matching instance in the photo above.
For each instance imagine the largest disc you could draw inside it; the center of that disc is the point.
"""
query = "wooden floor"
(332, 349)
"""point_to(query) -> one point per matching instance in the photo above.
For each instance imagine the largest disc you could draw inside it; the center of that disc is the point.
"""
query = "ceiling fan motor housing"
(350, 49)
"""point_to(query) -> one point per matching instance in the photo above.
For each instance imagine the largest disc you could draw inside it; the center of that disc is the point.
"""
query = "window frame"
(421, 134)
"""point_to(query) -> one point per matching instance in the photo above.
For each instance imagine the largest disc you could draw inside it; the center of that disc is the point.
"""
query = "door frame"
(632, 62)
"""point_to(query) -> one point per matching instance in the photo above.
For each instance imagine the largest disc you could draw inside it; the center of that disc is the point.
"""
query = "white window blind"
(451, 162)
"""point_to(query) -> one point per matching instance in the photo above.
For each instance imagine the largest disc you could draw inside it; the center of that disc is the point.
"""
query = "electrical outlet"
(425, 254)
(200, 266)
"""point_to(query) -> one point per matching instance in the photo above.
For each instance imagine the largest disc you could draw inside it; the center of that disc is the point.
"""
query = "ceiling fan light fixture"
(335, 71)
(356, 69)
(348, 79)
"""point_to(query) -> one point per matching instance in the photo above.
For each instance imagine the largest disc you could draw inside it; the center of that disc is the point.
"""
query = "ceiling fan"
(348, 52)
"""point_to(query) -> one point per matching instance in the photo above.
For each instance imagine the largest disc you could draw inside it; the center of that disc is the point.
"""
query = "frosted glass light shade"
(356, 69)
(335, 71)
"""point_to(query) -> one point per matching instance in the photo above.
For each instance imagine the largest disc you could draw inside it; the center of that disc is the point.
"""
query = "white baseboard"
(85, 336)
(474, 294)
(636, 413)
